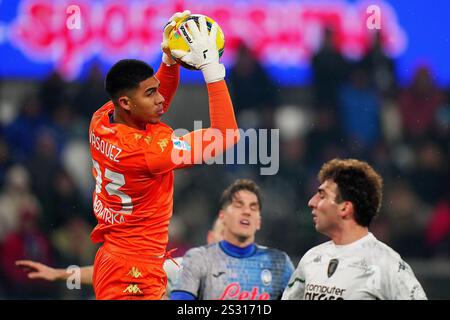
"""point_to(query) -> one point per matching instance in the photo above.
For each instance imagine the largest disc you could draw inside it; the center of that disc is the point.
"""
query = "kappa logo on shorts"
(134, 272)
(132, 288)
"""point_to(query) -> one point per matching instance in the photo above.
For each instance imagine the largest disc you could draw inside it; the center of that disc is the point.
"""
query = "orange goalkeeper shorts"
(118, 276)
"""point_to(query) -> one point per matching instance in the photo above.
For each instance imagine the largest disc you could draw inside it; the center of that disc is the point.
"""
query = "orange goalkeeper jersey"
(133, 170)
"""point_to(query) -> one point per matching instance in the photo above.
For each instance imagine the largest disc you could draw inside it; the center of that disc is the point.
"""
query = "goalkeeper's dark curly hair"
(358, 183)
(240, 184)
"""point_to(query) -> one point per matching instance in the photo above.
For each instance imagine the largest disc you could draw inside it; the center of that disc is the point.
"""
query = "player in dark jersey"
(236, 267)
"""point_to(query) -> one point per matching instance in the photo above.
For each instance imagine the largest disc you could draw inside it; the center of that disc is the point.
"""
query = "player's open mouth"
(160, 112)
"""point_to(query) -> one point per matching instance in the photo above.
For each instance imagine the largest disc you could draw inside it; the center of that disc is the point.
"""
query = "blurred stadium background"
(313, 69)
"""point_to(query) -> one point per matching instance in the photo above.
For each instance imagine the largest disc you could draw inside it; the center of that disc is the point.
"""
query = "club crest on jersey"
(332, 266)
(266, 277)
(180, 144)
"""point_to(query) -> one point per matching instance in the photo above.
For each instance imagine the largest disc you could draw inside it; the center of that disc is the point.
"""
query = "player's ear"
(124, 102)
(221, 215)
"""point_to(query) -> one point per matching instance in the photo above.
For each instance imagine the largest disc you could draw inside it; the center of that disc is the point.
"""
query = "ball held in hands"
(188, 33)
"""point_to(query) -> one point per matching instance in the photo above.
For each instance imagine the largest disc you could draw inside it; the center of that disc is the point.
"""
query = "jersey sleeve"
(295, 288)
(206, 144)
(402, 283)
(288, 270)
(192, 273)
(168, 152)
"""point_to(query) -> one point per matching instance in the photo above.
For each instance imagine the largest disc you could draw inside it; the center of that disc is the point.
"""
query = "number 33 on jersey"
(133, 182)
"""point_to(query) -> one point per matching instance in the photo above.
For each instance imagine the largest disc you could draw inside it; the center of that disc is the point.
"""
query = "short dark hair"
(239, 185)
(358, 183)
(125, 75)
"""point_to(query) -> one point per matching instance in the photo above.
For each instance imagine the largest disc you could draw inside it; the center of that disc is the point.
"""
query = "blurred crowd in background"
(349, 109)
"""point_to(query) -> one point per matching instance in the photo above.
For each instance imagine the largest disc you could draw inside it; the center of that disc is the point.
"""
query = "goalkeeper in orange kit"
(133, 163)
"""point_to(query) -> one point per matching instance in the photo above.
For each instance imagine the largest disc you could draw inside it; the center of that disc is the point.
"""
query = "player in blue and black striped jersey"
(236, 268)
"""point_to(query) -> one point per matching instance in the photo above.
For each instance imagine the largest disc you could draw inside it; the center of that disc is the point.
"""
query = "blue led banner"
(39, 36)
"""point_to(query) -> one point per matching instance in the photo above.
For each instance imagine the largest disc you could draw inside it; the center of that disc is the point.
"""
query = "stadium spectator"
(22, 133)
(26, 242)
(15, 198)
(380, 67)
(419, 104)
(438, 228)
(66, 202)
(53, 92)
(255, 96)
(5, 160)
(359, 112)
(329, 70)
(90, 93)
(406, 215)
(44, 166)
(325, 136)
(431, 175)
